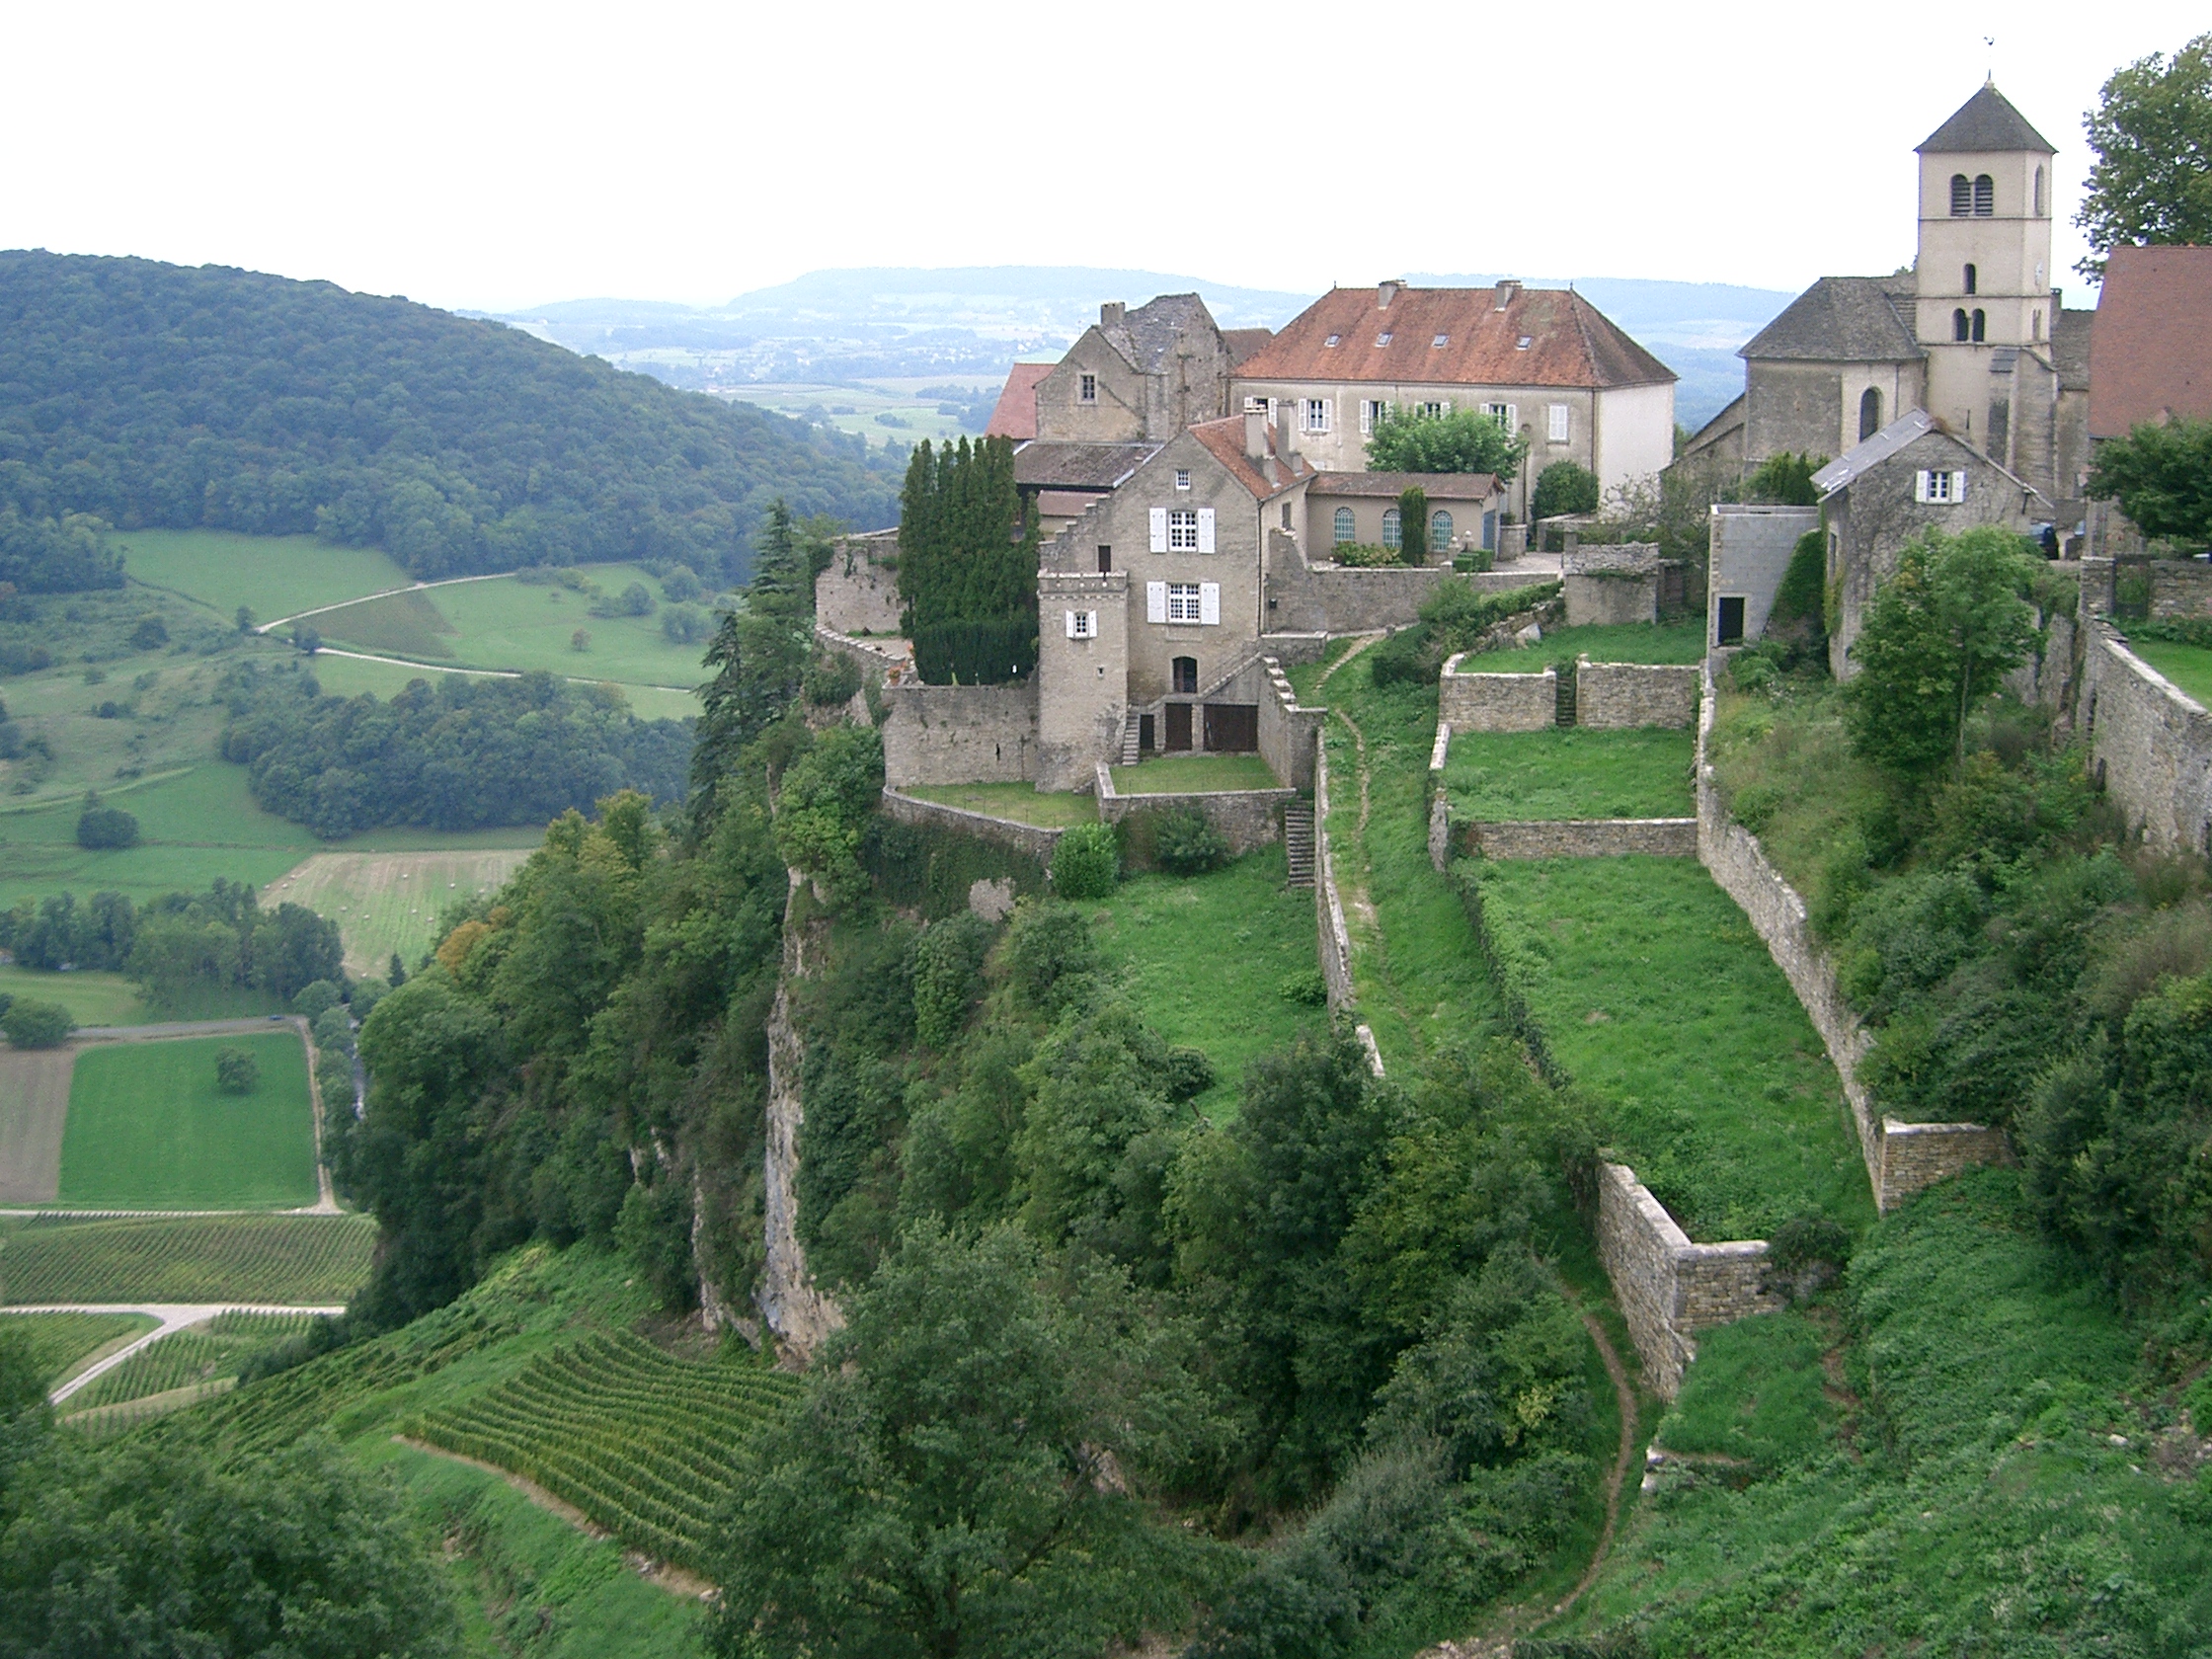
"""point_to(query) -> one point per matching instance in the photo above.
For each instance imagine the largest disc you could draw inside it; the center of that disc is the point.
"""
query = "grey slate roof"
(1842, 319)
(1986, 121)
(1078, 466)
(1147, 336)
(1854, 463)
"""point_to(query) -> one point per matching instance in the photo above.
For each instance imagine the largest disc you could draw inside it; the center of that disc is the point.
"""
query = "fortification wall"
(1289, 733)
(1342, 598)
(1584, 837)
(1610, 696)
(858, 593)
(1246, 818)
(2150, 743)
(1498, 702)
(2180, 589)
(960, 734)
(1668, 1288)
(1030, 840)
(1333, 938)
(880, 661)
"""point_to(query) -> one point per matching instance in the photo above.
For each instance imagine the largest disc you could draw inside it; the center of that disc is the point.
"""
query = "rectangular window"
(1939, 486)
(1086, 388)
(1182, 601)
(1182, 531)
(1558, 418)
(1083, 624)
(1318, 413)
(1434, 410)
(1105, 557)
(1503, 414)
(1182, 479)
(1729, 621)
(1371, 415)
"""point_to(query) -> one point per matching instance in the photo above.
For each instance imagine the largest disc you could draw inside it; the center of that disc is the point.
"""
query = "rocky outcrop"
(801, 1317)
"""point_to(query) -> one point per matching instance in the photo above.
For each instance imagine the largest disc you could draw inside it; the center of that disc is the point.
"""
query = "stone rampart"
(960, 734)
(2180, 589)
(1917, 1156)
(1668, 1288)
(1498, 702)
(1246, 818)
(858, 592)
(1582, 837)
(1332, 599)
(2150, 743)
(1288, 732)
(881, 660)
(1334, 939)
(1031, 840)
(1611, 696)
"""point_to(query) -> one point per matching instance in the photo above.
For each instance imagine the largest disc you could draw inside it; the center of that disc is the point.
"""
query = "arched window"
(1959, 326)
(1344, 530)
(1391, 534)
(1962, 195)
(1440, 531)
(1184, 670)
(1973, 281)
(2038, 192)
(1981, 324)
(1985, 195)
(1869, 413)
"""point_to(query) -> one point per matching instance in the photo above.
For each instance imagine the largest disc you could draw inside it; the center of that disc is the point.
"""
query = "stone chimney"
(1508, 292)
(1255, 430)
(1285, 428)
(1112, 314)
(1385, 292)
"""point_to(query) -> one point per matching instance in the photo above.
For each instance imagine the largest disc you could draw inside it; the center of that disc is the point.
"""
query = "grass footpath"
(306, 1261)
(148, 1128)
(1962, 1456)
(1206, 958)
(1655, 996)
(1565, 774)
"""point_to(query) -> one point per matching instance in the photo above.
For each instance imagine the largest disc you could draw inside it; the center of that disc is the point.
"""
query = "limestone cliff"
(799, 1313)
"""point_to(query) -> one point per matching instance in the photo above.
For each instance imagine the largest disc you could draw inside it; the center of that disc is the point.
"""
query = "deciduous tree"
(2152, 131)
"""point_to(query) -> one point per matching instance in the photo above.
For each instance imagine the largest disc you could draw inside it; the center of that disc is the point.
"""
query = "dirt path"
(673, 1579)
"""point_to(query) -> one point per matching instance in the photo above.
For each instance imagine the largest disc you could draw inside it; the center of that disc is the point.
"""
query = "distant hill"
(849, 325)
(157, 395)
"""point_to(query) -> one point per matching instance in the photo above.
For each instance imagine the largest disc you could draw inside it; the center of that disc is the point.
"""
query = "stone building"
(1362, 508)
(1544, 362)
(1145, 374)
(1974, 333)
(1911, 476)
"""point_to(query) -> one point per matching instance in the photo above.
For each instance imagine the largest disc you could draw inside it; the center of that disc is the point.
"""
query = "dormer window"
(1382, 339)
(1332, 340)
(1182, 478)
(1524, 343)
(1086, 388)
(1440, 339)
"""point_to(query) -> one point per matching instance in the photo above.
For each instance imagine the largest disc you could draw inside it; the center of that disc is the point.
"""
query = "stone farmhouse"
(1974, 333)
(1544, 362)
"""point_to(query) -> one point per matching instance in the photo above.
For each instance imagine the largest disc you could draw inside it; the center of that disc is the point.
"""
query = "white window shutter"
(1156, 601)
(1071, 625)
(1919, 485)
(1513, 417)
(1206, 529)
(1959, 486)
(1210, 603)
(1159, 529)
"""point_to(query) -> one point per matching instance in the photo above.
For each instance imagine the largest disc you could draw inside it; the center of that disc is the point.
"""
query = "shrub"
(1413, 525)
(1805, 1254)
(1088, 862)
(831, 680)
(1189, 1074)
(314, 998)
(151, 634)
(100, 827)
(1186, 843)
(32, 1024)
(684, 624)
(1786, 480)
(334, 1031)
(1564, 487)
(580, 640)
(237, 1071)
(1049, 955)
(680, 586)
(1306, 988)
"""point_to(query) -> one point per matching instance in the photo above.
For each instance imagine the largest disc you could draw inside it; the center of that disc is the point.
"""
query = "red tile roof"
(1571, 343)
(1015, 416)
(1242, 342)
(2151, 345)
(1224, 439)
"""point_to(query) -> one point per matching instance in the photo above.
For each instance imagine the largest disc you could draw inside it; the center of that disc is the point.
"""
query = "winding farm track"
(174, 1316)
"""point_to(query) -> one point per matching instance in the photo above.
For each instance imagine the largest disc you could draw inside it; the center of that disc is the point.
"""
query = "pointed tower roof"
(1985, 123)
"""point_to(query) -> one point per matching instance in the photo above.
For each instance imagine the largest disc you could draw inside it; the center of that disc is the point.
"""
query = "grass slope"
(63, 1344)
(91, 998)
(272, 576)
(1983, 1472)
(351, 677)
(390, 901)
(1205, 957)
(148, 1129)
(2188, 666)
(1017, 801)
(305, 1261)
(1532, 776)
(1653, 993)
(1611, 642)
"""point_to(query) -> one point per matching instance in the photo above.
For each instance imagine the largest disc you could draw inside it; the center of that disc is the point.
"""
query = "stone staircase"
(1563, 708)
(1297, 842)
(1132, 733)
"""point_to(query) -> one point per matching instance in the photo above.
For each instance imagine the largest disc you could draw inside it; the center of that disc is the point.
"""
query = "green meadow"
(91, 998)
(2188, 666)
(272, 576)
(148, 1129)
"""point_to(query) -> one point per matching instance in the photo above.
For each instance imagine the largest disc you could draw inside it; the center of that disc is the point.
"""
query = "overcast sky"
(498, 156)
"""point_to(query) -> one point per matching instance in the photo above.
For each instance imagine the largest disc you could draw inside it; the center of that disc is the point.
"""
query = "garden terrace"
(1619, 642)
(1019, 802)
(1570, 773)
(1194, 774)
(1646, 984)
(2188, 667)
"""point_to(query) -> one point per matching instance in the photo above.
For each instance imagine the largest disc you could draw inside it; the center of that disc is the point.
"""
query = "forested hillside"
(154, 395)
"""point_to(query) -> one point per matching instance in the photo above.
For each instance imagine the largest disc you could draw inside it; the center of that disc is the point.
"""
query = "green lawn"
(349, 677)
(63, 1344)
(1532, 776)
(91, 998)
(1017, 801)
(1653, 993)
(149, 1130)
(504, 623)
(1205, 958)
(1417, 969)
(273, 575)
(386, 903)
(1172, 774)
(1619, 642)
(2188, 666)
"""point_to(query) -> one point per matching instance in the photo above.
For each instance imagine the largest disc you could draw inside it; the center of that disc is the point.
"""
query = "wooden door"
(1179, 728)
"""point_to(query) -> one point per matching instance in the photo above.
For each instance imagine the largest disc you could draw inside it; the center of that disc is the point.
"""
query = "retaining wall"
(1342, 598)
(1668, 1288)
(2150, 743)
(859, 590)
(1030, 840)
(1246, 818)
(2181, 589)
(1498, 702)
(1611, 696)
(1333, 939)
(960, 734)
(1289, 733)
(1581, 837)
